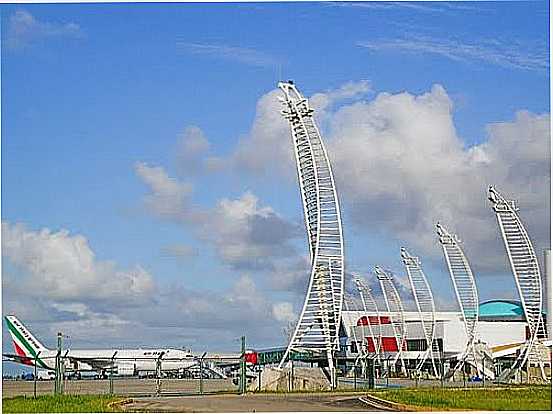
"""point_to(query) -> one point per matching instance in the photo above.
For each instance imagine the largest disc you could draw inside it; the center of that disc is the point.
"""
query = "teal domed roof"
(501, 309)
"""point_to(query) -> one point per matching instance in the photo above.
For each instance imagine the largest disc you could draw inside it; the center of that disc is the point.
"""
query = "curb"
(393, 406)
(376, 402)
(120, 402)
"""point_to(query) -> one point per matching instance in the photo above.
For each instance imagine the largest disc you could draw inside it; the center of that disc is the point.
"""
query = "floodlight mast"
(526, 271)
(370, 307)
(359, 342)
(317, 327)
(425, 305)
(465, 290)
(395, 312)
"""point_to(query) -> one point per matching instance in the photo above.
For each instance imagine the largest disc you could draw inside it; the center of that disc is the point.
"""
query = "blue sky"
(127, 125)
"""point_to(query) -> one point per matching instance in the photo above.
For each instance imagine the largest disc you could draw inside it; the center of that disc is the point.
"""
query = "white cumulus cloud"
(168, 197)
(191, 147)
(24, 28)
(244, 233)
(400, 166)
(284, 312)
(63, 266)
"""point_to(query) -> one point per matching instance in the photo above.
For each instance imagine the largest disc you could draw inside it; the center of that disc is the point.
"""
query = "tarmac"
(253, 403)
(142, 396)
(174, 387)
(182, 395)
(127, 386)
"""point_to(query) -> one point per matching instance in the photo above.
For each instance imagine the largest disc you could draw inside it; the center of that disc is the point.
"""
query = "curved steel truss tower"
(465, 290)
(524, 265)
(370, 309)
(395, 311)
(425, 304)
(317, 327)
(362, 351)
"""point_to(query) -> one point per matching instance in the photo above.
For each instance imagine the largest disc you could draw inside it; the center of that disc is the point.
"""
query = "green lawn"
(59, 404)
(509, 398)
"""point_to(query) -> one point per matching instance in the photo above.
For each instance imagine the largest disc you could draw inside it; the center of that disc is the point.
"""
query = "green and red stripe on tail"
(24, 343)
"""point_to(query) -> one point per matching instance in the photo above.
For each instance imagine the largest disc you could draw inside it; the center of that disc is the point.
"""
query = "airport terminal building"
(501, 330)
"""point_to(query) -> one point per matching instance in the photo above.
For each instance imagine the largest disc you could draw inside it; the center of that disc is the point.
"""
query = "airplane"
(120, 362)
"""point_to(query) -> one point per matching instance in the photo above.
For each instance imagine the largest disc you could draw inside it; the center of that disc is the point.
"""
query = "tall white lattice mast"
(395, 311)
(317, 328)
(425, 304)
(526, 271)
(465, 290)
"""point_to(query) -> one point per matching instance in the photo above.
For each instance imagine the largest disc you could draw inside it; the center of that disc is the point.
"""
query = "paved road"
(252, 403)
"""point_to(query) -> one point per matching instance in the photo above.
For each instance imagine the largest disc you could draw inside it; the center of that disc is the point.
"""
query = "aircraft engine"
(75, 366)
(126, 369)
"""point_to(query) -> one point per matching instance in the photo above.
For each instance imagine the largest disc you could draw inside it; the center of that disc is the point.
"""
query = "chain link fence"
(195, 376)
(132, 377)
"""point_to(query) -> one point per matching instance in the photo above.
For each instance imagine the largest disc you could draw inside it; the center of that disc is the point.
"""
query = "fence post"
(259, 379)
(243, 366)
(483, 372)
(355, 376)
(57, 383)
(201, 377)
(111, 373)
(158, 374)
(292, 376)
(63, 372)
(34, 378)
(370, 368)
(387, 371)
(202, 373)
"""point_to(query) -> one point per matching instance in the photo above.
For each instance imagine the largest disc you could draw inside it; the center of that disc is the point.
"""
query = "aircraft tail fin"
(24, 342)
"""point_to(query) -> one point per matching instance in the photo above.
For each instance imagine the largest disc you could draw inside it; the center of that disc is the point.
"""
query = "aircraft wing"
(17, 358)
(94, 363)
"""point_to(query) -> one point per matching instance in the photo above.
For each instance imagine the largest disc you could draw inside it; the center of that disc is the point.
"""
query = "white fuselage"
(121, 361)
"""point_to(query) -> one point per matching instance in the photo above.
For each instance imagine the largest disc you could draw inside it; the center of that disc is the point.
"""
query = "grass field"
(535, 398)
(60, 404)
(511, 398)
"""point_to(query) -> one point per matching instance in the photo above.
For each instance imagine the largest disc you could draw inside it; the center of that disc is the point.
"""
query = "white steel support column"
(317, 328)
(425, 304)
(526, 271)
(548, 293)
(465, 290)
(395, 311)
